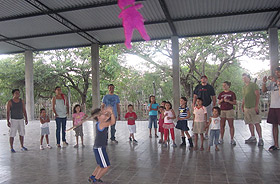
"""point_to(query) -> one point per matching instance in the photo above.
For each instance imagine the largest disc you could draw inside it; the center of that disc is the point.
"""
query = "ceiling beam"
(275, 20)
(168, 17)
(17, 43)
(43, 8)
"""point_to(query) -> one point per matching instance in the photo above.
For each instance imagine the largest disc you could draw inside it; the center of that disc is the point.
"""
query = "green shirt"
(249, 94)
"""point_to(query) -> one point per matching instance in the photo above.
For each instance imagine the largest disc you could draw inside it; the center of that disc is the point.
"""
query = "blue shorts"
(101, 157)
(152, 120)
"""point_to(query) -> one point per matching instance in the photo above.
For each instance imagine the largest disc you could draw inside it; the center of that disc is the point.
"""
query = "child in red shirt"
(131, 116)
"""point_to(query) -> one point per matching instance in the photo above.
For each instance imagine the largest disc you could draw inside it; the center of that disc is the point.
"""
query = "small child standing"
(104, 118)
(160, 124)
(45, 131)
(131, 116)
(199, 122)
(168, 124)
(78, 116)
(153, 110)
(182, 123)
(214, 126)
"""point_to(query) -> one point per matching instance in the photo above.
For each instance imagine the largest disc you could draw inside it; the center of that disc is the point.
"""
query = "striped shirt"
(183, 112)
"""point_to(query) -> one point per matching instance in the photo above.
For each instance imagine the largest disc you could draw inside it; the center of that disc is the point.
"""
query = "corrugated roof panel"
(59, 41)
(8, 48)
(223, 24)
(117, 35)
(191, 8)
(152, 11)
(94, 17)
(15, 7)
(30, 26)
(56, 4)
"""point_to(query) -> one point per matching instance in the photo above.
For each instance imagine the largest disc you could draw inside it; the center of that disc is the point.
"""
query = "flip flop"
(272, 148)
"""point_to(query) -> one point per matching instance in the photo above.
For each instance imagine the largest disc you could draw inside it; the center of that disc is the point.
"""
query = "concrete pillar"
(29, 84)
(95, 76)
(273, 49)
(176, 72)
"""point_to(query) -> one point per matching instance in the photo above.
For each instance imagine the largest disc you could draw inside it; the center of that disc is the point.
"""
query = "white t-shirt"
(199, 114)
(46, 124)
(275, 97)
(215, 123)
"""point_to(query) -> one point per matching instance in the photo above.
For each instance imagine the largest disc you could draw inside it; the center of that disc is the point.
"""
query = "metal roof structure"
(54, 24)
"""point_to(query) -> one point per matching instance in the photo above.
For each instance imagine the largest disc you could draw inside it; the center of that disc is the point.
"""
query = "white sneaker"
(49, 146)
(251, 140)
(41, 147)
(206, 137)
(232, 142)
(260, 142)
(221, 141)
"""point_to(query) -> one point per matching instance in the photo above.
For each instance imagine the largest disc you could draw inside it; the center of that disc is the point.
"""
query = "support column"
(176, 71)
(29, 84)
(95, 76)
(273, 49)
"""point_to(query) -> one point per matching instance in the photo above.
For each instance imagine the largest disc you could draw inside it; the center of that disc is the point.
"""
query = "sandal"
(272, 148)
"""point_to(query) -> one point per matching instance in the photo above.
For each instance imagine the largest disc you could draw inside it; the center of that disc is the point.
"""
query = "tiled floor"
(146, 162)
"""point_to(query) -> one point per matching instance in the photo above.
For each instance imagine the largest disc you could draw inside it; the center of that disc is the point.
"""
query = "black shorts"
(182, 125)
(273, 116)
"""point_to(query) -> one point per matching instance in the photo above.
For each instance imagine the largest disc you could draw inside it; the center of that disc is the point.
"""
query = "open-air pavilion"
(28, 26)
(33, 25)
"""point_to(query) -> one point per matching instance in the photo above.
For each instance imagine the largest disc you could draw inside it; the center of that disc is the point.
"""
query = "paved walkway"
(146, 162)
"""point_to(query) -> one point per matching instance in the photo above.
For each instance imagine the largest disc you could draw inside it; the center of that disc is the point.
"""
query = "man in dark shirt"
(207, 93)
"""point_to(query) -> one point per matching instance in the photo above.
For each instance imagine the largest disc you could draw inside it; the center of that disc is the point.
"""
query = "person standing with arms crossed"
(15, 112)
(112, 100)
(250, 107)
(60, 108)
(207, 93)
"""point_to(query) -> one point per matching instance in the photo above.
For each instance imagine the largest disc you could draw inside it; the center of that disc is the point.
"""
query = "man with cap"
(250, 107)
(207, 93)
(273, 116)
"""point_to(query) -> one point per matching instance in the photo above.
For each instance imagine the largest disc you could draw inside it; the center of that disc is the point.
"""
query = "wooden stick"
(83, 121)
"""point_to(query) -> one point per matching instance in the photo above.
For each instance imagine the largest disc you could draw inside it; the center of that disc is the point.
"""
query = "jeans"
(214, 134)
(152, 120)
(60, 122)
(113, 132)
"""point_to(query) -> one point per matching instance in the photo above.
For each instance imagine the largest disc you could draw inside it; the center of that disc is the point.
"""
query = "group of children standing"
(200, 123)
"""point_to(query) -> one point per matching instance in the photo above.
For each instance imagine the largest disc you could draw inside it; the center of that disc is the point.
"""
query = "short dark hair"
(110, 85)
(130, 105)
(200, 99)
(184, 98)
(228, 83)
(74, 109)
(95, 112)
(14, 90)
(42, 109)
(246, 75)
(218, 109)
(169, 104)
(56, 88)
(164, 101)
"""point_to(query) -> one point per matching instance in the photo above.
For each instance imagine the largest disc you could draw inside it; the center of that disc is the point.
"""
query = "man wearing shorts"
(274, 109)
(207, 93)
(250, 107)
(15, 112)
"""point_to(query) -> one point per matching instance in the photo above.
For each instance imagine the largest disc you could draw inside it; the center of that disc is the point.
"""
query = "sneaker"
(65, 143)
(251, 140)
(164, 145)
(12, 150)
(24, 149)
(221, 141)
(232, 142)
(183, 145)
(134, 141)
(76, 146)
(58, 145)
(49, 146)
(41, 147)
(92, 179)
(260, 142)
(206, 137)
(99, 181)
(174, 145)
(160, 141)
(130, 139)
(156, 136)
(114, 141)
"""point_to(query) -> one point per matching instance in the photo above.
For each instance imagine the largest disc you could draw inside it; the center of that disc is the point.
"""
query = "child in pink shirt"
(78, 116)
